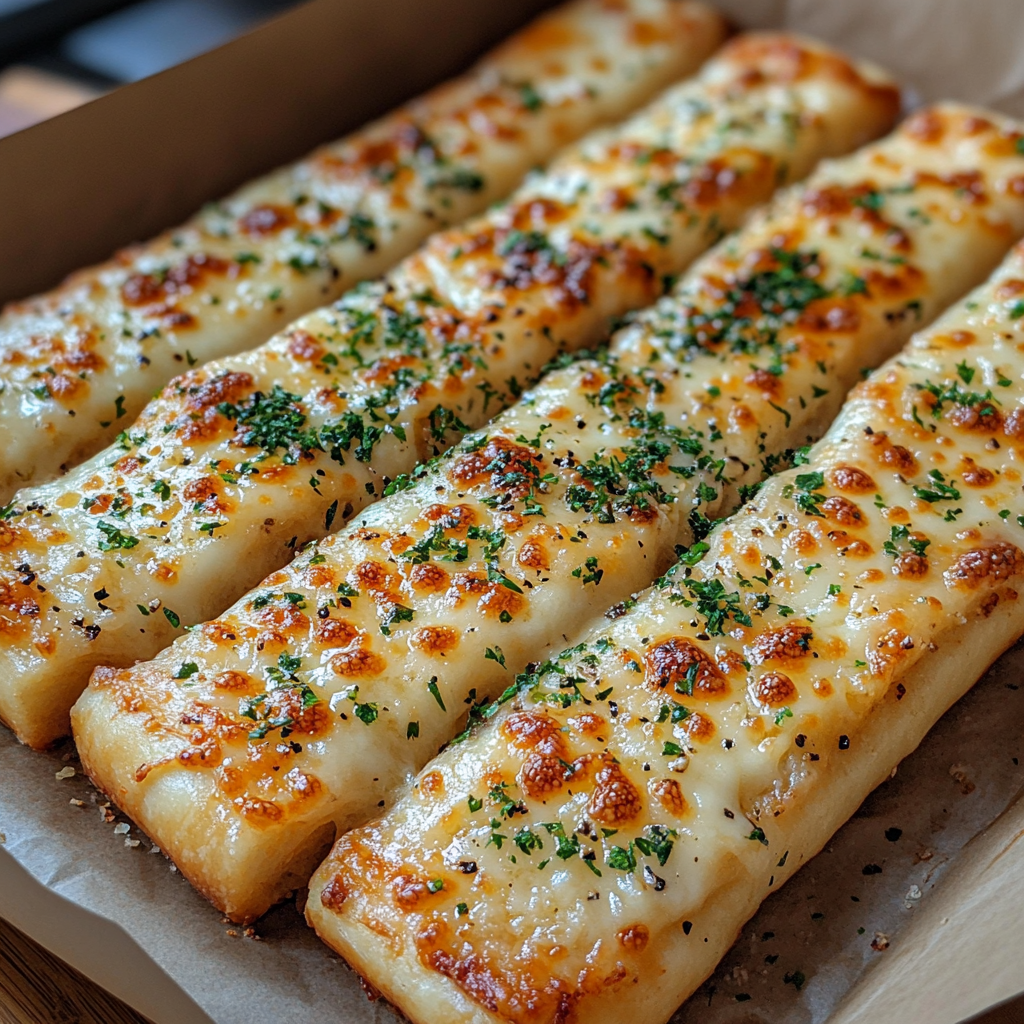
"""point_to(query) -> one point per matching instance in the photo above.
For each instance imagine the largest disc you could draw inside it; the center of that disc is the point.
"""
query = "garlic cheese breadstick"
(593, 851)
(236, 464)
(78, 363)
(305, 706)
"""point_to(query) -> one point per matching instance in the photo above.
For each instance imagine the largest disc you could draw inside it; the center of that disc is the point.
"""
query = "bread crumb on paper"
(958, 773)
(67, 772)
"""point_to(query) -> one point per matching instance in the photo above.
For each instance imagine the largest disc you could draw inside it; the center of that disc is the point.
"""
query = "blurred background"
(57, 54)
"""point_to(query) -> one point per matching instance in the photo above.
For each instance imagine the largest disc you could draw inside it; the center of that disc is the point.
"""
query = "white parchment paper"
(911, 912)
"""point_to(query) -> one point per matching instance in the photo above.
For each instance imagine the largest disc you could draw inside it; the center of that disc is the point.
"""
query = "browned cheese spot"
(587, 723)
(891, 648)
(360, 662)
(729, 661)
(615, 800)
(852, 480)
(303, 347)
(1013, 427)
(802, 541)
(762, 380)
(991, 564)
(150, 289)
(541, 775)
(841, 510)
(18, 607)
(287, 704)
(302, 786)
(974, 475)
(493, 597)
(634, 938)
(506, 466)
(892, 456)
(450, 517)
(790, 643)
(774, 689)
(332, 632)
(266, 219)
(533, 555)
(926, 126)
(830, 316)
(669, 794)
(910, 565)
(371, 575)
(436, 640)
(535, 730)
(961, 339)
(428, 578)
(219, 631)
(385, 370)
(202, 397)
(1010, 288)
(669, 664)
(203, 493)
(849, 547)
(279, 620)
(431, 784)
(699, 727)
(517, 997)
(334, 894)
(258, 812)
(982, 418)
(409, 890)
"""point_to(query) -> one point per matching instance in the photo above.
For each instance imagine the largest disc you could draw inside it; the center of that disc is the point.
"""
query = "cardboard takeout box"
(146, 156)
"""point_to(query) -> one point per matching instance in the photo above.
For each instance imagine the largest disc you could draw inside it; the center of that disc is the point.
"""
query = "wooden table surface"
(38, 988)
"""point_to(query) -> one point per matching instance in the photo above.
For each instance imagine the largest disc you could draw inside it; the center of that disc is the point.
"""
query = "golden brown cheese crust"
(79, 363)
(236, 464)
(343, 672)
(762, 683)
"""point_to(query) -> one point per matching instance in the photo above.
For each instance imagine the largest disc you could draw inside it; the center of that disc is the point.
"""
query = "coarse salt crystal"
(122, 828)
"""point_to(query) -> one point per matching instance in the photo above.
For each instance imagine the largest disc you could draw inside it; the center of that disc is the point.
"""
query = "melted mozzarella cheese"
(653, 783)
(79, 363)
(234, 465)
(306, 705)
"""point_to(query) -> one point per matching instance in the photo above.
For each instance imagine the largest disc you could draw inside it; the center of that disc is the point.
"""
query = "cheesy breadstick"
(305, 706)
(78, 363)
(234, 465)
(592, 852)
